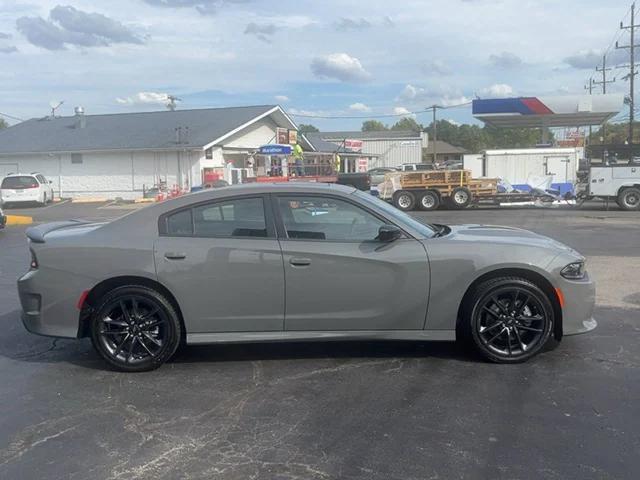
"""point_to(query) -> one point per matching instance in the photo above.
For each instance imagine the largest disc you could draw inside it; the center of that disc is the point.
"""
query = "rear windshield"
(16, 183)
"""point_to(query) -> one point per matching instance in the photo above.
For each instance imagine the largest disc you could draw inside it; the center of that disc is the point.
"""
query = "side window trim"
(282, 231)
(268, 218)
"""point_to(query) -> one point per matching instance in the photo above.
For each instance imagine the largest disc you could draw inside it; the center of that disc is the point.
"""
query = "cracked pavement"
(362, 410)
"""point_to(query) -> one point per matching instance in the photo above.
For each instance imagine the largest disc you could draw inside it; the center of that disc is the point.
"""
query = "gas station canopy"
(564, 111)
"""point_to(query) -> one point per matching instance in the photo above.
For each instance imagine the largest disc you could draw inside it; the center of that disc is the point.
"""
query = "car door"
(223, 262)
(339, 277)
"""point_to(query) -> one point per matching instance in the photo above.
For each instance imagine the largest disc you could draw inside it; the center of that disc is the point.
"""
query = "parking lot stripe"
(19, 220)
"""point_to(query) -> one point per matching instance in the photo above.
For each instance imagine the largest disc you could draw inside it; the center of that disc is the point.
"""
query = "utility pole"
(590, 89)
(632, 73)
(434, 108)
(604, 83)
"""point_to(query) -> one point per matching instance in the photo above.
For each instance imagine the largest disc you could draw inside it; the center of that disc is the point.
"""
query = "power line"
(11, 117)
(369, 117)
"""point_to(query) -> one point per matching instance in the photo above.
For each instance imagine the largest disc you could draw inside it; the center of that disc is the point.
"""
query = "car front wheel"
(508, 319)
(135, 329)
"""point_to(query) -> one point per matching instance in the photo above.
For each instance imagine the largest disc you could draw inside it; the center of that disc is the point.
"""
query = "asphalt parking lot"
(338, 410)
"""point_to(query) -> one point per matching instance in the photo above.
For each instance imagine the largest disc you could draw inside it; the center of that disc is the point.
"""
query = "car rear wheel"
(429, 200)
(135, 329)
(629, 199)
(508, 319)
(404, 200)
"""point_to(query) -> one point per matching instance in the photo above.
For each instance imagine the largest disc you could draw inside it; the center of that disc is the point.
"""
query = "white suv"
(22, 188)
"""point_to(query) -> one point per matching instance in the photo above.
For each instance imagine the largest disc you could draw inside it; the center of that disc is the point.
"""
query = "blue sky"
(330, 58)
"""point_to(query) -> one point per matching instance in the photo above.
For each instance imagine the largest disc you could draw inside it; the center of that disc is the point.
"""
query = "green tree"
(307, 128)
(3, 123)
(407, 123)
(373, 126)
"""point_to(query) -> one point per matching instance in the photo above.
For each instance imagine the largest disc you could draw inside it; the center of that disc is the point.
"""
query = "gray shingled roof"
(126, 131)
(324, 146)
(381, 134)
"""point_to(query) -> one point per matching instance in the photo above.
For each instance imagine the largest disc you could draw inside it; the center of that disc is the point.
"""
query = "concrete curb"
(18, 220)
(90, 200)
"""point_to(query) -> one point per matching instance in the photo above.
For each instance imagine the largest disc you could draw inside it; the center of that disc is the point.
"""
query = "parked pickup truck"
(360, 180)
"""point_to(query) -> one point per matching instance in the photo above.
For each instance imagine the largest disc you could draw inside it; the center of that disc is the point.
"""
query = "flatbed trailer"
(430, 189)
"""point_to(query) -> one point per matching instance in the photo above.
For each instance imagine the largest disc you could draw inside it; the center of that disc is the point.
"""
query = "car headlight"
(574, 271)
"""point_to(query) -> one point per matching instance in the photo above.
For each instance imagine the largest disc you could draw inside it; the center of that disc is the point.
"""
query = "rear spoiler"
(36, 234)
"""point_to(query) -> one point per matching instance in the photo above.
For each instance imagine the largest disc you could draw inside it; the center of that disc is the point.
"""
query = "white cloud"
(505, 60)
(443, 95)
(359, 107)
(438, 67)
(339, 66)
(145, 98)
(448, 101)
(498, 90)
(403, 111)
(281, 98)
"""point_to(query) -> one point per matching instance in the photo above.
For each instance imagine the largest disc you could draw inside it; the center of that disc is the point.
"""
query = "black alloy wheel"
(511, 319)
(135, 329)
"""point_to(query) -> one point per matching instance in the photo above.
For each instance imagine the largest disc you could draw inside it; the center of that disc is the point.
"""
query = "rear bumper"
(48, 305)
(579, 304)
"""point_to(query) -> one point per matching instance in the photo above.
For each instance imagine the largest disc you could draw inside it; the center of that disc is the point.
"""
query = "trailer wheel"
(429, 200)
(404, 200)
(629, 199)
(460, 197)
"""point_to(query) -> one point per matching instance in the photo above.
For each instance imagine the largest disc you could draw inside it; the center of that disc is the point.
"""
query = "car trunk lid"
(38, 233)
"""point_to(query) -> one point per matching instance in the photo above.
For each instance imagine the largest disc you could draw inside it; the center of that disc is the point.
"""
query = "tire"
(629, 198)
(429, 200)
(44, 200)
(404, 200)
(460, 197)
(500, 334)
(142, 336)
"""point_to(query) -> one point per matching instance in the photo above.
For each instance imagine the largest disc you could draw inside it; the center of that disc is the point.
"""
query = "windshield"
(19, 183)
(396, 214)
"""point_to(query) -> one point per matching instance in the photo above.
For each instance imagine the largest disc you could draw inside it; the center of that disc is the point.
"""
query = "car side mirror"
(388, 233)
(50, 182)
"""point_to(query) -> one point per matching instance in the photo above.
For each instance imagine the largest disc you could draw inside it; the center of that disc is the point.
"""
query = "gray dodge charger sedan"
(298, 262)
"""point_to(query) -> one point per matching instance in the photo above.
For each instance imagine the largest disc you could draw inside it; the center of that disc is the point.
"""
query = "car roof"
(33, 174)
(294, 186)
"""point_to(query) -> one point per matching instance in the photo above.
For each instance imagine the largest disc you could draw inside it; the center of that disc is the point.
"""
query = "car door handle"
(300, 262)
(175, 256)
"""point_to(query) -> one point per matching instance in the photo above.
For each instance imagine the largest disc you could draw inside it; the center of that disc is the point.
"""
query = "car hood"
(507, 236)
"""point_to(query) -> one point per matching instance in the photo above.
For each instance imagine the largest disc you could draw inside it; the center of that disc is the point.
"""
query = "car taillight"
(34, 260)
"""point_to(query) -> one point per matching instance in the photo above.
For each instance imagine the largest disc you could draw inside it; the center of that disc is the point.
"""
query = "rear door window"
(241, 217)
(19, 182)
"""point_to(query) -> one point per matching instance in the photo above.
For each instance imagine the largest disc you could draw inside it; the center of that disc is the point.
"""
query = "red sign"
(355, 145)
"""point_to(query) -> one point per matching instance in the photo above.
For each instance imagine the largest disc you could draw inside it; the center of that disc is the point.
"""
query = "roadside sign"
(355, 145)
(293, 137)
(282, 136)
(275, 149)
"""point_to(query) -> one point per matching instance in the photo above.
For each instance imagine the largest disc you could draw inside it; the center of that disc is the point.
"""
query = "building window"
(208, 153)
(76, 158)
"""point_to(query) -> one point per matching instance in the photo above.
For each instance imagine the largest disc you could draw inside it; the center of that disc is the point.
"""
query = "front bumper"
(579, 304)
